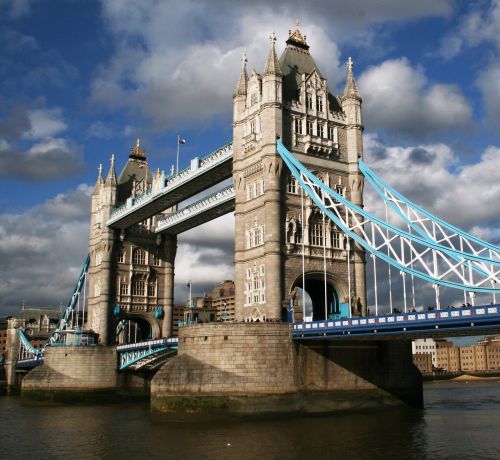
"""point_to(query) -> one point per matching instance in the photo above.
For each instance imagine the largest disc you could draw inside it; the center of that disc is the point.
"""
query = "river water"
(460, 421)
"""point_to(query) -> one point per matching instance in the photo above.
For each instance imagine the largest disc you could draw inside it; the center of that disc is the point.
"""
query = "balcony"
(317, 145)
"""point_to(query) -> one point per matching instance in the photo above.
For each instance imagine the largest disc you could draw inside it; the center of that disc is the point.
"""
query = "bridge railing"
(131, 353)
(400, 322)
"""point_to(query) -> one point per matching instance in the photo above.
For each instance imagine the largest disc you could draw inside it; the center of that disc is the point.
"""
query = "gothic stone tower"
(131, 268)
(291, 100)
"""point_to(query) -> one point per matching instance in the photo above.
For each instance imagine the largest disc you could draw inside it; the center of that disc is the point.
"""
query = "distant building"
(423, 361)
(217, 305)
(483, 356)
(430, 346)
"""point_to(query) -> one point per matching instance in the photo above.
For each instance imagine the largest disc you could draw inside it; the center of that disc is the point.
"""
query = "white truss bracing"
(410, 253)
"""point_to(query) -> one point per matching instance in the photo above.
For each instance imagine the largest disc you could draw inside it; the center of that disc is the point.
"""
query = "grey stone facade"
(133, 268)
(291, 101)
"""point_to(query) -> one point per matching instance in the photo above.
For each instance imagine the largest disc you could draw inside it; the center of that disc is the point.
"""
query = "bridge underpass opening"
(132, 330)
(315, 306)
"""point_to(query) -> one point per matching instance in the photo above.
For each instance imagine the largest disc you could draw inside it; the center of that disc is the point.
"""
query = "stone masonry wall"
(74, 368)
(238, 358)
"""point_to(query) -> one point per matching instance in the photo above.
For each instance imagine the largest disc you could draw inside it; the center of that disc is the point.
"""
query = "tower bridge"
(301, 231)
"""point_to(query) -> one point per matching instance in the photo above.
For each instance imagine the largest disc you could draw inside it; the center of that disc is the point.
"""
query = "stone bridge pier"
(257, 368)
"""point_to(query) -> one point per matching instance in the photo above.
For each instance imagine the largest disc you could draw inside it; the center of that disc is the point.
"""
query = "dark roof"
(131, 171)
(294, 62)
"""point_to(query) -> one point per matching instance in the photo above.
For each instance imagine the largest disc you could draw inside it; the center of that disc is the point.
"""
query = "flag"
(144, 164)
(189, 285)
(181, 140)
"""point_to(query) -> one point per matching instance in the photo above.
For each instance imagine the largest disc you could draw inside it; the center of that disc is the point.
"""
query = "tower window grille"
(138, 287)
(336, 242)
(123, 287)
(139, 257)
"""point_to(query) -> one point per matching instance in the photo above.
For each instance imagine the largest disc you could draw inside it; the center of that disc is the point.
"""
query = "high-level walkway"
(200, 175)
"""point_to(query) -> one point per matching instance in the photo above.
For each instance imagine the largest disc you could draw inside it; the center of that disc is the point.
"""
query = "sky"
(81, 80)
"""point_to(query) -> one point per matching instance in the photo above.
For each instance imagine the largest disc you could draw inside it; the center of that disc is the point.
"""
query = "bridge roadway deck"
(201, 175)
(468, 321)
(198, 213)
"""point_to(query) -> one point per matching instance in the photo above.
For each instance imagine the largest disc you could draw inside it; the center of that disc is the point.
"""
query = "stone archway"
(336, 305)
(136, 328)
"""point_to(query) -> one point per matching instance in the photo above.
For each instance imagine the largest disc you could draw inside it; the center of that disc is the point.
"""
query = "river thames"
(460, 421)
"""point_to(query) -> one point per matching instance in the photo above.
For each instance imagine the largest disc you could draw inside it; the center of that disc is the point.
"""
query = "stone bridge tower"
(291, 100)
(131, 272)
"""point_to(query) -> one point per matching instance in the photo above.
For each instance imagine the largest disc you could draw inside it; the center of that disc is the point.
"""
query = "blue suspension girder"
(410, 253)
(37, 353)
(419, 219)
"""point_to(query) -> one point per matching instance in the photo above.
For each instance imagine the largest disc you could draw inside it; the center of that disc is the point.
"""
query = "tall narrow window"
(298, 126)
(310, 128)
(319, 103)
(331, 133)
(123, 287)
(152, 288)
(121, 255)
(309, 101)
(292, 184)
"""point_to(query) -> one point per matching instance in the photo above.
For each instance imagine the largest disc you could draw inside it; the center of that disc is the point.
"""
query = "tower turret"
(351, 104)
(240, 92)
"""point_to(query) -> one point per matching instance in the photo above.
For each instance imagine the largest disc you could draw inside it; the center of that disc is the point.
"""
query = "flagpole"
(190, 296)
(178, 142)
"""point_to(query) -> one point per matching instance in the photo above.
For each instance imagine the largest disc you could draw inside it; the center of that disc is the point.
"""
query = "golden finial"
(350, 63)
(137, 151)
(295, 35)
(272, 38)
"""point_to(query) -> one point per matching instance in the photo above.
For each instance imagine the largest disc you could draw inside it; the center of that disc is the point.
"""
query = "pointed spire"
(272, 64)
(99, 174)
(111, 179)
(99, 181)
(351, 89)
(241, 87)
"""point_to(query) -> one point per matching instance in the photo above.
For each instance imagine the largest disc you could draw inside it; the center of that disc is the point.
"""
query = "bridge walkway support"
(256, 368)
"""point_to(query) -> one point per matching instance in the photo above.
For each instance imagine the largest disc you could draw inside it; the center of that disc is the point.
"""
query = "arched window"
(98, 258)
(139, 257)
(309, 101)
(292, 184)
(319, 103)
(316, 229)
